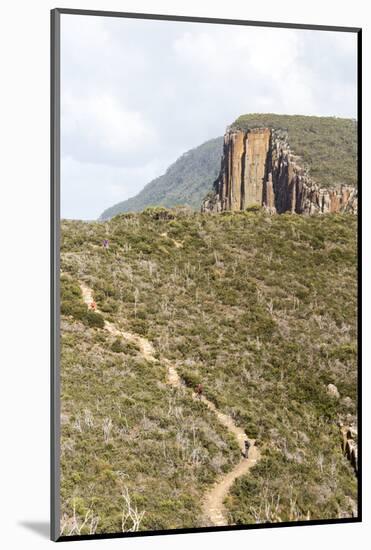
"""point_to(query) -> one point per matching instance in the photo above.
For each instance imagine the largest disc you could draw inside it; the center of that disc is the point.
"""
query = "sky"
(137, 94)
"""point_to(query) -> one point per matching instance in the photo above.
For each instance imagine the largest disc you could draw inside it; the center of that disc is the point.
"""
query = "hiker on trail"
(199, 390)
(247, 447)
(93, 306)
(105, 243)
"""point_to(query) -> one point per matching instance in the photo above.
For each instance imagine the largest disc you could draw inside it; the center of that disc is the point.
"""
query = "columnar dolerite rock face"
(258, 168)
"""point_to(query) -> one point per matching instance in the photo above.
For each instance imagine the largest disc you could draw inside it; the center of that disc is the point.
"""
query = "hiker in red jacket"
(93, 306)
(199, 390)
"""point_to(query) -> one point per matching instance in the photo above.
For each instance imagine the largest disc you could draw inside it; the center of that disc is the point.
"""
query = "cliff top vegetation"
(327, 145)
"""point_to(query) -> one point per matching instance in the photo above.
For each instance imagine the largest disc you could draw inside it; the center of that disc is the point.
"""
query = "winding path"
(214, 512)
(143, 344)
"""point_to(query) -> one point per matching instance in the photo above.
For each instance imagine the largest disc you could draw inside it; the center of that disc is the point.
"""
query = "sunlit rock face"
(259, 169)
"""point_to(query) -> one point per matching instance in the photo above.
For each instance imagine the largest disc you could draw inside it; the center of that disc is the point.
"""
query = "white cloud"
(239, 51)
(256, 67)
(99, 129)
(89, 188)
(138, 93)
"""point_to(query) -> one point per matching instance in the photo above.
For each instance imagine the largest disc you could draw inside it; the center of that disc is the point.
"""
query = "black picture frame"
(55, 266)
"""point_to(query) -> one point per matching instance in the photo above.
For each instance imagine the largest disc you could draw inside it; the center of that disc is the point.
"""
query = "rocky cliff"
(259, 168)
(350, 445)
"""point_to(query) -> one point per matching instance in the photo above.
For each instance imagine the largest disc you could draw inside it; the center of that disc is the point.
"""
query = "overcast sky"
(136, 94)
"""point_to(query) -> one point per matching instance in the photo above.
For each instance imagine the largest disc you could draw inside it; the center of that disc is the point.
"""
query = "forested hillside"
(184, 183)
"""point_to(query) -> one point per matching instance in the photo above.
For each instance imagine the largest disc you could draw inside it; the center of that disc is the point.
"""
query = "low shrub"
(117, 346)
(93, 319)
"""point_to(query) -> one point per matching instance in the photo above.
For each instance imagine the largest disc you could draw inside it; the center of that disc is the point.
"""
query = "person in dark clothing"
(199, 390)
(247, 447)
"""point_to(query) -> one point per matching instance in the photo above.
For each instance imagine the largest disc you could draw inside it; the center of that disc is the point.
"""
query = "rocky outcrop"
(349, 444)
(259, 168)
(333, 391)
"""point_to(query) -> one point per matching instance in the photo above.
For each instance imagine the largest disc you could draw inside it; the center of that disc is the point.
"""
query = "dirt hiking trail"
(213, 505)
(213, 508)
(143, 344)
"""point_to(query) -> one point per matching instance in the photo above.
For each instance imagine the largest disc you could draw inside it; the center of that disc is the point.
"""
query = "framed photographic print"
(205, 215)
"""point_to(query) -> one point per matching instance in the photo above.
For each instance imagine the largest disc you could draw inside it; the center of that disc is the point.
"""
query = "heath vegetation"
(261, 310)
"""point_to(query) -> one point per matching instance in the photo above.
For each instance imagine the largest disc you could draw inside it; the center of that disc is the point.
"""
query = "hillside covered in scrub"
(261, 310)
(326, 146)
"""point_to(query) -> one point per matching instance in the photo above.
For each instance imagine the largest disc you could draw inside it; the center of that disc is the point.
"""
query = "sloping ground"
(327, 145)
(129, 427)
(259, 309)
(213, 506)
(144, 346)
(185, 182)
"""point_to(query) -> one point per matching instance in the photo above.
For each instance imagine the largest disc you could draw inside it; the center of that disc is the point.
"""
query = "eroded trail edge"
(214, 512)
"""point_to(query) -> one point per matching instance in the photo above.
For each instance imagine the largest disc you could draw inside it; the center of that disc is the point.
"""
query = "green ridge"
(185, 182)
